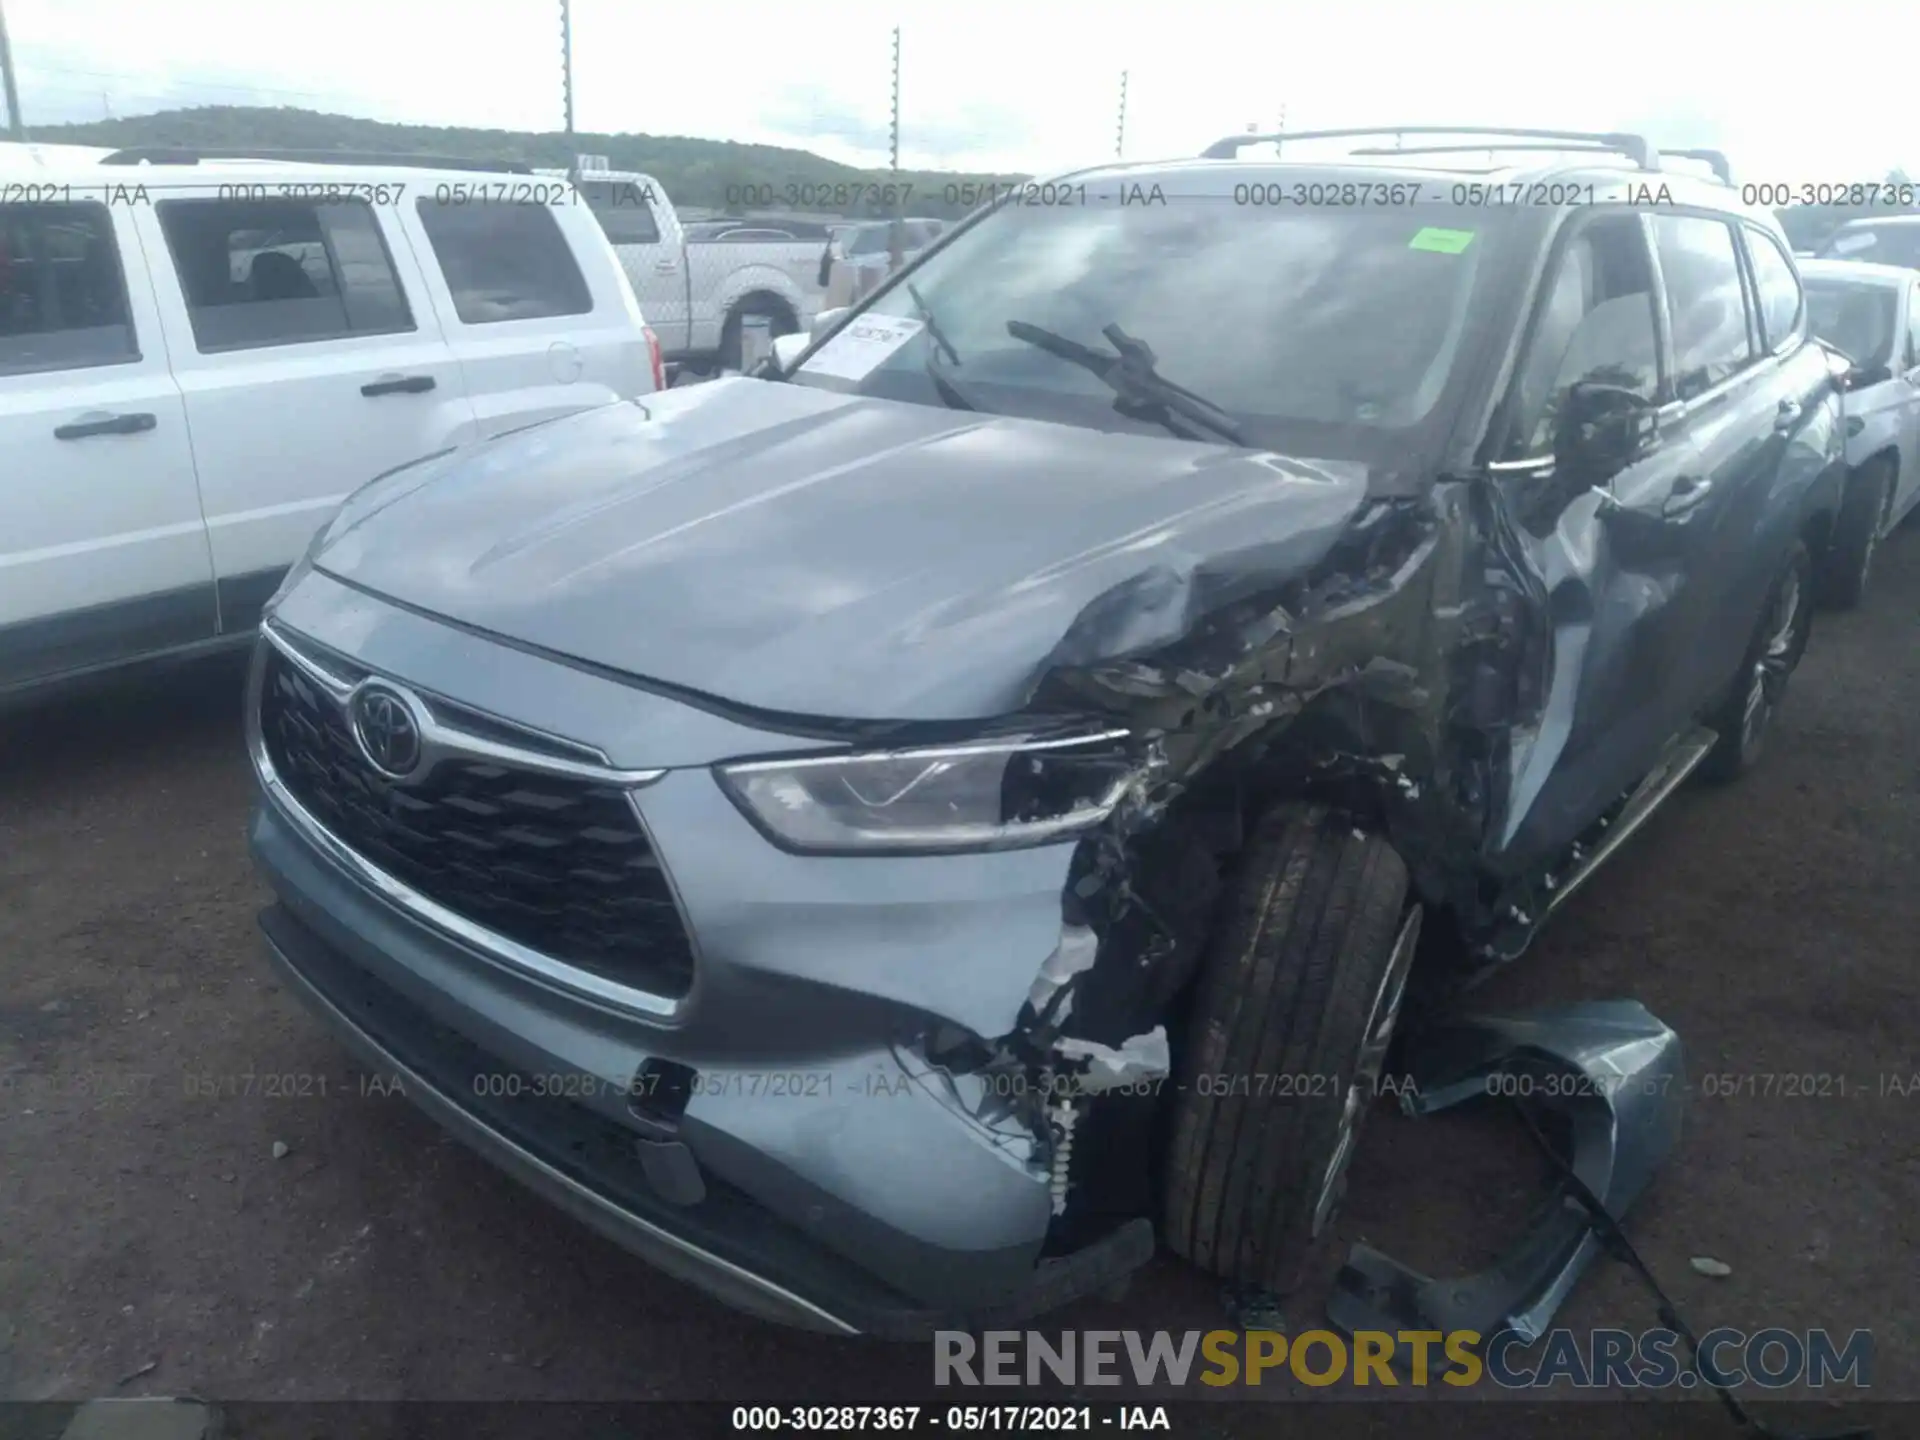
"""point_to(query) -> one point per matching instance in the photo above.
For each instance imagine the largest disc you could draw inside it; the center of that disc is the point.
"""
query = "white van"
(200, 357)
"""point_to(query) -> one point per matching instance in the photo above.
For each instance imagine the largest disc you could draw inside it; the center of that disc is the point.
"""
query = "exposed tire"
(1856, 535)
(784, 323)
(1298, 994)
(1741, 720)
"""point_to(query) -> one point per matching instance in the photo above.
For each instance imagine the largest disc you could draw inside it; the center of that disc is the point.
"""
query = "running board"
(1683, 755)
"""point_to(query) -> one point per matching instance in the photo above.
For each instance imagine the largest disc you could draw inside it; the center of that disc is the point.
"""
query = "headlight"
(987, 795)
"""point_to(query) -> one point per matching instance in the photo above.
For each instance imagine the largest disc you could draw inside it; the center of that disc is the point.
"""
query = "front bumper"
(820, 1174)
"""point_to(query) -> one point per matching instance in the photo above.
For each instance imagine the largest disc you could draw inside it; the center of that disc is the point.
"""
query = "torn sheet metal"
(1615, 1074)
(1138, 1059)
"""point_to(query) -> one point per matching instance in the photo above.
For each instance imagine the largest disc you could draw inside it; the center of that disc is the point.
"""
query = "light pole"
(566, 85)
(896, 236)
(16, 130)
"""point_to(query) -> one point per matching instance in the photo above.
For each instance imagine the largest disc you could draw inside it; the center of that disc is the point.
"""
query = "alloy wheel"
(1375, 1039)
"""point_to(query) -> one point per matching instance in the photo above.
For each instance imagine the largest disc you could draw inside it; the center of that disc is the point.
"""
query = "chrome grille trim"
(496, 949)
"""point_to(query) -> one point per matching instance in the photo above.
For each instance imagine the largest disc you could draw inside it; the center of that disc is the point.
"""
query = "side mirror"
(787, 349)
(1603, 427)
(826, 320)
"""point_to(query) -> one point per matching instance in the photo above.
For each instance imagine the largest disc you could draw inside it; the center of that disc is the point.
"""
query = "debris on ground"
(1707, 1265)
(279, 1149)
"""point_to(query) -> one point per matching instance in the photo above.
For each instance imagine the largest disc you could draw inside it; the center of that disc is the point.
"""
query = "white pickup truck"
(696, 293)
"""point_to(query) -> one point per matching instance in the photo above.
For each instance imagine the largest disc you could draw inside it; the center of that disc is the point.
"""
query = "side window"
(1705, 299)
(1778, 284)
(282, 272)
(623, 212)
(1595, 326)
(504, 262)
(63, 298)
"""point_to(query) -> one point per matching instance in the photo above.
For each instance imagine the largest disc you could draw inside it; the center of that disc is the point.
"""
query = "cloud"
(807, 114)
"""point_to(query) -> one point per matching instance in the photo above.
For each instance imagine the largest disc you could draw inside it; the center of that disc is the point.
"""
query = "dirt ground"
(153, 1242)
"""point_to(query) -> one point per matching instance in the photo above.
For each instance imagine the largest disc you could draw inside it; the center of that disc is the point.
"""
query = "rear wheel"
(1299, 994)
(1742, 719)
(1856, 535)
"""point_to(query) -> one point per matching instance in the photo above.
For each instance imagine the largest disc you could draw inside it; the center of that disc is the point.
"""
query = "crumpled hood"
(817, 554)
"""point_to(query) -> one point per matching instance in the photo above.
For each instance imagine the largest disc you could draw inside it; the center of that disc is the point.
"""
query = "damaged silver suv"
(893, 840)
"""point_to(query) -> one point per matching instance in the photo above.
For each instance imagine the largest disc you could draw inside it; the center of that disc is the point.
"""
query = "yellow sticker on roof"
(1445, 242)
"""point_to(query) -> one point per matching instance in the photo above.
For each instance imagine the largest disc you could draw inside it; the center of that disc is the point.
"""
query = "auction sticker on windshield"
(860, 348)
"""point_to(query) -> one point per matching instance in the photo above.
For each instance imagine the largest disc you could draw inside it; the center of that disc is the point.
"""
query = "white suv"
(199, 358)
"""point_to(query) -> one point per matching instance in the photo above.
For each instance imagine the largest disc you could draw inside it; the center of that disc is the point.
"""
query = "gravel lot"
(145, 1222)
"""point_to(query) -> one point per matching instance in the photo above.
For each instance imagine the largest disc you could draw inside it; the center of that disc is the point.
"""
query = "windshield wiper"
(934, 332)
(951, 394)
(1142, 391)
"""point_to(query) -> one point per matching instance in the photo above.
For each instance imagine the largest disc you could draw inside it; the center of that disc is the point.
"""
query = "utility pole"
(1120, 135)
(896, 237)
(16, 130)
(566, 85)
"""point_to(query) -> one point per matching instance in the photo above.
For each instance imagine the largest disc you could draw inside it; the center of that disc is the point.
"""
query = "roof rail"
(1567, 149)
(193, 155)
(1716, 160)
(1635, 147)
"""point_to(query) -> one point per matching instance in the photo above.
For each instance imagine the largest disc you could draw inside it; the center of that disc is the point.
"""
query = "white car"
(700, 293)
(200, 358)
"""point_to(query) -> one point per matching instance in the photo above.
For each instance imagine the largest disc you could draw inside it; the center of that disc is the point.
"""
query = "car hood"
(798, 551)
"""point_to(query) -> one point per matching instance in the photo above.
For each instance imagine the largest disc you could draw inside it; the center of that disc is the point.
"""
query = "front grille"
(558, 864)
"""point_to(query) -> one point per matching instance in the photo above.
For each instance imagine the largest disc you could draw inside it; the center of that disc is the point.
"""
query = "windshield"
(1344, 323)
(1857, 319)
(1882, 244)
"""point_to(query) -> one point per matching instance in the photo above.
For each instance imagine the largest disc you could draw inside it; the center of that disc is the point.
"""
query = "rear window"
(623, 212)
(504, 261)
(63, 301)
(1881, 244)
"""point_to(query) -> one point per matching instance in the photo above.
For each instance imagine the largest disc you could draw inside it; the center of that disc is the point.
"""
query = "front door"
(103, 553)
(1605, 544)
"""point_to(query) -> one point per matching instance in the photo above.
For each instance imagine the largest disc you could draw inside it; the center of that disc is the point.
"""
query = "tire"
(1300, 987)
(783, 320)
(1741, 720)
(1856, 535)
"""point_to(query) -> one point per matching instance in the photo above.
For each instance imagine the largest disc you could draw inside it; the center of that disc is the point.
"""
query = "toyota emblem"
(388, 734)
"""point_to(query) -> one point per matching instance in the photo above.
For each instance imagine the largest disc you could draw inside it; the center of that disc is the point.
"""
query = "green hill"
(697, 174)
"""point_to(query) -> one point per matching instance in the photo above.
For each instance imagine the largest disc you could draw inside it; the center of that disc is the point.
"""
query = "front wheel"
(1299, 994)
(1743, 717)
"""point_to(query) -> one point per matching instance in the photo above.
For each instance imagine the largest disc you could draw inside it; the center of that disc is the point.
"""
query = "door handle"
(131, 423)
(398, 385)
(665, 267)
(1687, 492)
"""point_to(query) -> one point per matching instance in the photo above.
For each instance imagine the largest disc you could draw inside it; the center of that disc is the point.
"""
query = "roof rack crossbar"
(1635, 147)
(1714, 159)
(193, 155)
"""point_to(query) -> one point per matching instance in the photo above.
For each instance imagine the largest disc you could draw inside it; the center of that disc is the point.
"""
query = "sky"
(1002, 87)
